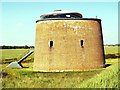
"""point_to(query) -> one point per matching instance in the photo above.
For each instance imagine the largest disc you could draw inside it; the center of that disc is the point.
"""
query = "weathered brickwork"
(68, 45)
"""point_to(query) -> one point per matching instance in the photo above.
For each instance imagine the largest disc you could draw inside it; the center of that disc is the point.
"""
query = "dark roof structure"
(61, 14)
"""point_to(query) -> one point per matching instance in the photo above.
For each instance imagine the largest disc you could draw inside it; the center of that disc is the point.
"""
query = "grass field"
(9, 55)
(27, 78)
(111, 49)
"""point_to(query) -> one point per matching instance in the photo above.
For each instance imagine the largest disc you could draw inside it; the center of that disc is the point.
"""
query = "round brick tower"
(67, 42)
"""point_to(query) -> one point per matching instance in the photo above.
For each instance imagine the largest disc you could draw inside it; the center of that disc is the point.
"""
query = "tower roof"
(61, 14)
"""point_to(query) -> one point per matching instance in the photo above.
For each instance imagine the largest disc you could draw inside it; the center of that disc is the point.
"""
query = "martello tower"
(65, 41)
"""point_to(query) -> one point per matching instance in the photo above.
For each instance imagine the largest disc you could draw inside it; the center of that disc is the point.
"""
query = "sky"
(18, 19)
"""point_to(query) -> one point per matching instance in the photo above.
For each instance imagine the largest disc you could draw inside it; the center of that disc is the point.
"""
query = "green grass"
(99, 78)
(13, 53)
(27, 78)
(108, 78)
(10, 55)
(111, 49)
(16, 78)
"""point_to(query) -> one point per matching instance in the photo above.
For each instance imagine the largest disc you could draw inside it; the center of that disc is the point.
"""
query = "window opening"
(51, 44)
(81, 43)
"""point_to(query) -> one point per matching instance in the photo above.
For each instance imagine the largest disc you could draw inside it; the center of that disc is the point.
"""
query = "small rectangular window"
(81, 43)
(51, 44)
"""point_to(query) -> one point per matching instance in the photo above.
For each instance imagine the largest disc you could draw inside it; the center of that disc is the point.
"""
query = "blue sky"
(18, 19)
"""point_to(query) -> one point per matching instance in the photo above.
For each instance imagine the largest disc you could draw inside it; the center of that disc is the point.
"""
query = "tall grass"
(106, 79)
(15, 78)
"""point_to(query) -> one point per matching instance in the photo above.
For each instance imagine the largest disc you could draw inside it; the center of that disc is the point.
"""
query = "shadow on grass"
(25, 67)
(107, 65)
